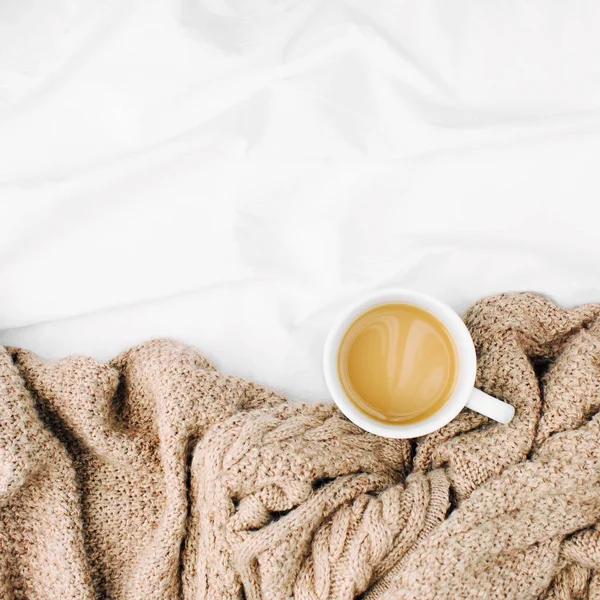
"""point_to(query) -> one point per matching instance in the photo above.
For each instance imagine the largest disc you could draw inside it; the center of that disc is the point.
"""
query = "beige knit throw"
(156, 477)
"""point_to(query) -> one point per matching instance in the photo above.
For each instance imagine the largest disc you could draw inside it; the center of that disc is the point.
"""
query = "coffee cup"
(402, 364)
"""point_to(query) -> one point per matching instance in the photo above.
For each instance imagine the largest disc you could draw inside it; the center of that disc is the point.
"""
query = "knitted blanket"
(154, 476)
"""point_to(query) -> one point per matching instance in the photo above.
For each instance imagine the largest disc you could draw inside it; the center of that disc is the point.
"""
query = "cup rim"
(466, 358)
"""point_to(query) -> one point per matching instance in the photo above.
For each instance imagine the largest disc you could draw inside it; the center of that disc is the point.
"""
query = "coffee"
(398, 363)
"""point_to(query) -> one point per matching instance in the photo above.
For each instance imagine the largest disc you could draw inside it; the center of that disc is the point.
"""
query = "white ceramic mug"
(464, 394)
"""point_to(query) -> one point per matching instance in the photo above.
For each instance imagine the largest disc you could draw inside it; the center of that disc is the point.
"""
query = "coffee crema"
(398, 363)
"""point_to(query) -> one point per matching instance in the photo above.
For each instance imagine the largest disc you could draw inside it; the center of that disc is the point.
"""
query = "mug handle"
(490, 407)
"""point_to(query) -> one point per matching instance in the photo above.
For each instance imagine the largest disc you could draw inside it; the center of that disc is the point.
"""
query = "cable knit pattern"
(154, 476)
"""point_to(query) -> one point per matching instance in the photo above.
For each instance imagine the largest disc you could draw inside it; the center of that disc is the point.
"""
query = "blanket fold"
(154, 476)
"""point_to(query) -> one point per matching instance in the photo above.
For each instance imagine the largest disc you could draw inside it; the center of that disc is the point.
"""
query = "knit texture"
(156, 477)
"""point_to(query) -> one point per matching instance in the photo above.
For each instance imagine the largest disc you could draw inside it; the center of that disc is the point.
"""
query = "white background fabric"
(231, 173)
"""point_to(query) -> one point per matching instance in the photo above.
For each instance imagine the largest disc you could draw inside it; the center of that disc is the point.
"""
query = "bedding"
(202, 169)
(154, 476)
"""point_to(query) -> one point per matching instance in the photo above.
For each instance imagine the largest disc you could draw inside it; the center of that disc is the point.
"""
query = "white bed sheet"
(231, 173)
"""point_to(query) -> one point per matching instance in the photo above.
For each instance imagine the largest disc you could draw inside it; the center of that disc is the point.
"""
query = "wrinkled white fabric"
(239, 170)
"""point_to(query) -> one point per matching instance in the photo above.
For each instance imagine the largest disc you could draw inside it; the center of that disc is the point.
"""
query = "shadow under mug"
(464, 394)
